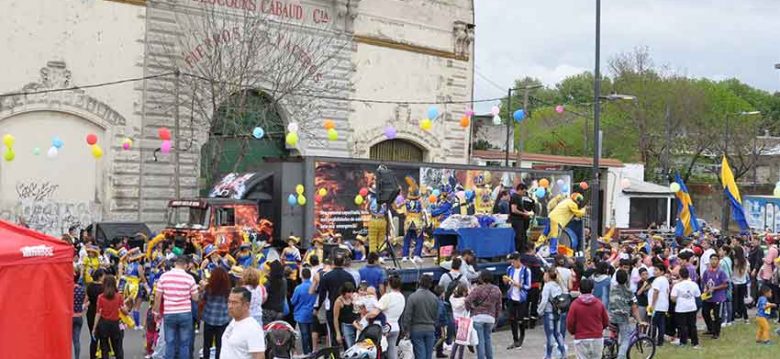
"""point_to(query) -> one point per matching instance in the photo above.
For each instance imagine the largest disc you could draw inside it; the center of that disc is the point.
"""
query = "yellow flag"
(727, 178)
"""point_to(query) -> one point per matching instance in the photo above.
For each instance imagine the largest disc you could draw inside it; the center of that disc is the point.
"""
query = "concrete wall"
(60, 44)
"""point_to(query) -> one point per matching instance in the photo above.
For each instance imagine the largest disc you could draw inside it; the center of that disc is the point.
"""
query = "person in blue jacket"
(518, 278)
(303, 308)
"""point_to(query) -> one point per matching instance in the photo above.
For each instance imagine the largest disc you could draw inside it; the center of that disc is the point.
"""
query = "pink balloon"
(469, 112)
(126, 146)
(165, 147)
(559, 109)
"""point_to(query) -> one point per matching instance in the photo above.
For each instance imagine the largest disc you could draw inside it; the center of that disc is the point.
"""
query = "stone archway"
(428, 142)
(397, 150)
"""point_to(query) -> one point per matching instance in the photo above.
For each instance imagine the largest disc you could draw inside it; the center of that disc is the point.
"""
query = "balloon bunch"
(465, 121)
(8, 141)
(292, 134)
(92, 141)
(127, 143)
(361, 196)
(165, 136)
(330, 127)
(427, 123)
(300, 200)
(495, 111)
(56, 146)
(320, 195)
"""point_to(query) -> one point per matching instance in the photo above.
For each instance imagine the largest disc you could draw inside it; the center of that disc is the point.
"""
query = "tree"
(246, 68)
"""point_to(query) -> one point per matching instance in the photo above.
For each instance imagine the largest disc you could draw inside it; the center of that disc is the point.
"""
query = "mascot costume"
(131, 270)
(414, 223)
(560, 217)
(377, 226)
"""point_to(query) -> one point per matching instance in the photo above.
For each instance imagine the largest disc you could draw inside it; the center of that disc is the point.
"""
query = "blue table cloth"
(485, 242)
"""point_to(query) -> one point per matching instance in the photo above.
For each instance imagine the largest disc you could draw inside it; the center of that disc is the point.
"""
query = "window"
(645, 211)
(397, 150)
(226, 217)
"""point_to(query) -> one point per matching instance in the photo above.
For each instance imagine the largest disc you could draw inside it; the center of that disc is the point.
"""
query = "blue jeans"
(485, 346)
(348, 332)
(418, 242)
(624, 334)
(659, 328)
(178, 335)
(423, 342)
(305, 329)
(78, 322)
(562, 325)
(553, 334)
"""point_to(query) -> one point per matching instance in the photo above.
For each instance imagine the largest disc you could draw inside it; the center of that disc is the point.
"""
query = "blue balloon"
(436, 193)
(540, 192)
(258, 133)
(433, 112)
(469, 194)
(519, 115)
(57, 142)
(292, 200)
(565, 189)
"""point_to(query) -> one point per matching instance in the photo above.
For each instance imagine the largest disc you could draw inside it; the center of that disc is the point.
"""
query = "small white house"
(634, 203)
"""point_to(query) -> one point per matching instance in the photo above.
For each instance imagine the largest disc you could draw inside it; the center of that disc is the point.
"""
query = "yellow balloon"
(97, 152)
(333, 135)
(292, 139)
(301, 200)
(9, 140)
(323, 192)
(426, 124)
(9, 154)
(299, 189)
(358, 200)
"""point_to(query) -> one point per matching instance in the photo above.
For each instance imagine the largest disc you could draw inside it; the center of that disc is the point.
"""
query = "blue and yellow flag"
(686, 217)
(732, 192)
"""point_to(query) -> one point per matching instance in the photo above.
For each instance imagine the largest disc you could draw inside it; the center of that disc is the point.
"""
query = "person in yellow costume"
(132, 272)
(559, 218)
(91, 263)
(317, 249)
(415, 221)
(484, 200)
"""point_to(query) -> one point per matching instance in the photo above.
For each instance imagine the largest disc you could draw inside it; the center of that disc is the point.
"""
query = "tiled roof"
(493, 155)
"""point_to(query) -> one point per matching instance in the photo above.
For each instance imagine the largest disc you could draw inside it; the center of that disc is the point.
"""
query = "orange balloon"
(465, 122)
(544, 183)
(584, 185)
(329, 124)
(431, 198)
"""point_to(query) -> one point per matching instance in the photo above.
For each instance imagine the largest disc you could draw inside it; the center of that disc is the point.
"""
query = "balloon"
(9, 140)
(399, 200)
(519, 115)
(674, 187)
(534, 183)
(258, 132)
(544, 183)
(363, 192)
(390, 132)
(329, 124)
(92, 139)
(165, 147)
(559, 109)
(777, 192)
(433, 112)
(164, 134)
(9, 154)
(127, 143)
(323, 192)
(291, 200)
(465, 122)
(426, 124)
(469, 194)
(292, 139)
(37, 151)
(431, 198)
(299, 189)
(625, 183)
(497, 120)
(540, 192)
(292, 127)
(584, 185)
(301, 200)
(317, 198)
(560, 183)
(469, 112)
(565, 189)
(97, 152)
(177, 251)
(436, 193)
(358, 200)
(333, 135)
(53, 152)
(57, 142)
(495, 110)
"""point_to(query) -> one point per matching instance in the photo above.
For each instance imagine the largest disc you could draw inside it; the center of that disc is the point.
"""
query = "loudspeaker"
(387, 188)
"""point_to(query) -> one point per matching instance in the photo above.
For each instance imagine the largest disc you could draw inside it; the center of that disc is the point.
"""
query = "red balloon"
(317, 198)
(363, 192)
(584, 185)
(92, 139)
(164, 134)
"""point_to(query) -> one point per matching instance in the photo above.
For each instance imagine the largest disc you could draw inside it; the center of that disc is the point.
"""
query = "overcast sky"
(552, 39)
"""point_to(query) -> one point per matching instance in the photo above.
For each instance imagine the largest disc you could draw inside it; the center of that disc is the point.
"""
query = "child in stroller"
(280, 339)
(369, 344)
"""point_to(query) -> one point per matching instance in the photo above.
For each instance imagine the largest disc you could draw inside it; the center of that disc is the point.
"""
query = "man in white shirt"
(659, 302)
(704, 261)
(684, 295)
(243, 337)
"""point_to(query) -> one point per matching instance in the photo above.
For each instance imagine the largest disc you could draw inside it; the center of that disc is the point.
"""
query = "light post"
(594, 194)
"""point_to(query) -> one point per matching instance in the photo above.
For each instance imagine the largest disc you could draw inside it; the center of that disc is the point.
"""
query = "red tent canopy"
(36, 294)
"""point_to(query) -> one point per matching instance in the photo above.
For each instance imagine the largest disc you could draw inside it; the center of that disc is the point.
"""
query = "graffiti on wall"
(35, 209)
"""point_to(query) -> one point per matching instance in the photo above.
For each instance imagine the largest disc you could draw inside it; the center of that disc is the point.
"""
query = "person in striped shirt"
(176, 290)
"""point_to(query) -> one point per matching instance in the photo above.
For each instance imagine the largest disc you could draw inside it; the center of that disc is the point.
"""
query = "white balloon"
(496, 120)
(292, 127)
(53, 152)
(625, 183)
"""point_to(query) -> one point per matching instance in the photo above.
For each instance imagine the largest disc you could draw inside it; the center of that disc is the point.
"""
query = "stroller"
(368, 345)
(280, 339)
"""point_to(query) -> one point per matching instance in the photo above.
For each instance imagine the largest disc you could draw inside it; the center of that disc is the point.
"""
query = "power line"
(102, 84)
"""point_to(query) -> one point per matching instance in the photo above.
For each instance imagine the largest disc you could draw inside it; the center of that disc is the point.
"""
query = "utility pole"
(594, 188)
(667, 167)
(177, 137)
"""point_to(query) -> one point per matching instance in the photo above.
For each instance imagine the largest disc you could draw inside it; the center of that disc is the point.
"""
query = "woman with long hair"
(727, 265)
(94, 289)
(739, 280)
(250, 279)
(215, 310)
(344, 316)
(552, 288)
(484, 303)
(106, 329)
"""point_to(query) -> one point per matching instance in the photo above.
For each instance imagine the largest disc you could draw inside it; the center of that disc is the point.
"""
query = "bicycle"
(640, 345)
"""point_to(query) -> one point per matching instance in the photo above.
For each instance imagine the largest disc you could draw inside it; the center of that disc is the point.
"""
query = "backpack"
(561, 303)
(454, 282)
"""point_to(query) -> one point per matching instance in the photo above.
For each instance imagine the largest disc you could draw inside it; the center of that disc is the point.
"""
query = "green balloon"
(177, 251)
